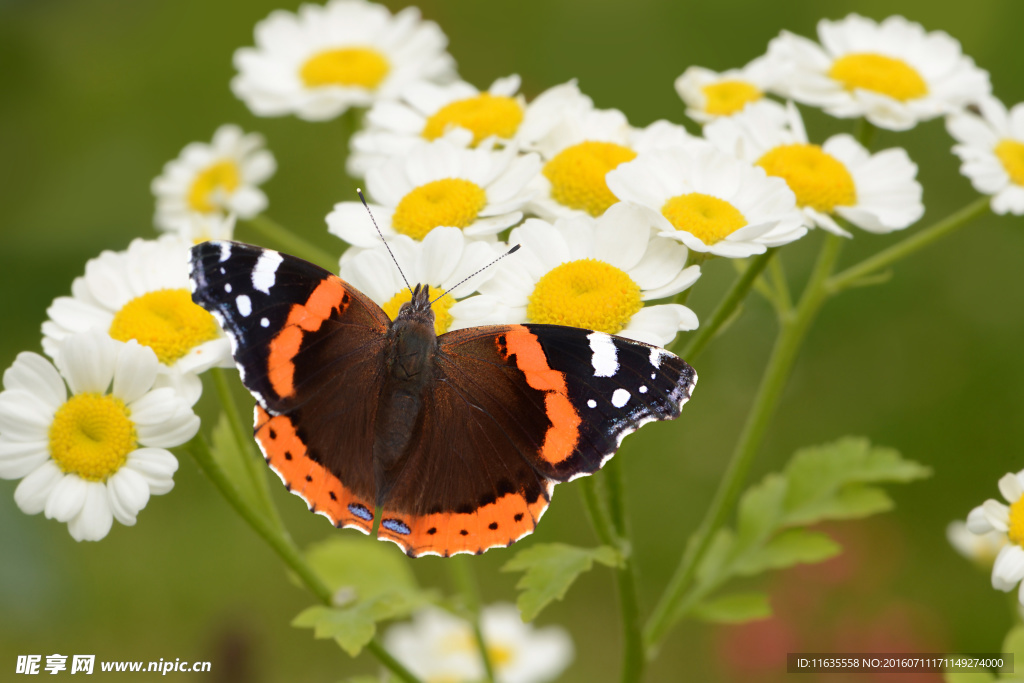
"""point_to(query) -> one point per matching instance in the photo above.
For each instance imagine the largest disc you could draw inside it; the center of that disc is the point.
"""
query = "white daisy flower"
(481, 191)
(208, 181)
(709, 200)
(100, 454)
(463, 115)
(143, 293)
(443, 259)
(1008, 569)
(992, 150)
(892, 73)
(202, 228)
(590, 273)
(427, 111)
(980, 549)
(709, 95)
(437, 646)
(877, 192)
(348, 53)
(580, 150)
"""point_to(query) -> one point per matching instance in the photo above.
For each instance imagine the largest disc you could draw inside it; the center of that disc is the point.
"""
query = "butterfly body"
(459, 438)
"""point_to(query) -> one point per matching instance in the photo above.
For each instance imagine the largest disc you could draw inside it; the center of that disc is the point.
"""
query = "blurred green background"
(96, 95)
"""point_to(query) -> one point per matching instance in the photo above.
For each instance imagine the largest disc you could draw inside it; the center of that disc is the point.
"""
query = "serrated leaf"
(795, 546)
(230, 458)
(550, 569)
(818, 475)
(733, 609)
(354, 626)
(369, 569)
(852, 502)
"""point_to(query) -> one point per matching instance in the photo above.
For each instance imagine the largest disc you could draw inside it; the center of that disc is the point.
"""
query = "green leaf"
(716, 557)
(795, 546)
(828, 482)
(354, 626)
(760, 511)
(550, 570)
(733, 609)
(230, 458)
(368, 569)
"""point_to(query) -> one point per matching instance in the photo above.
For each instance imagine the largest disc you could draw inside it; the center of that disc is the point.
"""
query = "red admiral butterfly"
(459, 439)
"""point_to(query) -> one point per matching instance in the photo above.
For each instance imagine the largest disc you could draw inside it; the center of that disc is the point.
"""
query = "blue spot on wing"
(396, 526)
(360, 511)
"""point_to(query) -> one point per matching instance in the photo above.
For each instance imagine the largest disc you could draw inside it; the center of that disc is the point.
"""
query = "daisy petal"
(93, 523)
(66, 498)
(34, 490)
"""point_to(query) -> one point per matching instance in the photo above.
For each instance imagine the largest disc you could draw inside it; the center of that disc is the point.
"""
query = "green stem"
(465, 581)
(597, 511)
(390, 663)
(792, 331)
(605, 507)
(918, 240)
(633, 659)
(725, 309)
(283, 545)
(243, 437)
(291, 242)
(275, 537)
(784, 301)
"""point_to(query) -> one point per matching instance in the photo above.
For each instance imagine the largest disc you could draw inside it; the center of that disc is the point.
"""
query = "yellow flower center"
(708, 218)
(1016, 530)
(500, 655)
(1011, 154)
(360, 67)
(166, 321)
(585, 293)
(878, 73)
(442, 318)
(725, 98)
(221, 176)
(91, 436)
(817, 178)
(577, 175)
(485, 115)
(452, 202)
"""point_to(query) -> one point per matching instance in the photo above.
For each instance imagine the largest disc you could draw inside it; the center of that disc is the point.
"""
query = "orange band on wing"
(563, 434)
(323, 492)
(498, 524)
(328, 296)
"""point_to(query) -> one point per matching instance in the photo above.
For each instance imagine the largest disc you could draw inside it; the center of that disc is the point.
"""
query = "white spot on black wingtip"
(227, 287)
(264, 274)
(225, 251)
(244, 305)
(643, 389)
(604, 356)
(591, 403)
(620, 397)
(264, 322)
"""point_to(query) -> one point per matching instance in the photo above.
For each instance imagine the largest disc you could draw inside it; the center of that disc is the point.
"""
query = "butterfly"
(458, 439)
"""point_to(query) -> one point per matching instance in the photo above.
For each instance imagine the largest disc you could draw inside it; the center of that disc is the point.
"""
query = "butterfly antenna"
(386, 245)
(451, 289)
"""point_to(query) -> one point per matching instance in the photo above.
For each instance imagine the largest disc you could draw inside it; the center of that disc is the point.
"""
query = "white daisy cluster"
(565, 178)
(437, 646)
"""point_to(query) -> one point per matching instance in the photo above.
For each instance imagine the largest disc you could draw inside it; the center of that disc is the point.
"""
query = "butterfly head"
(418, 308)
